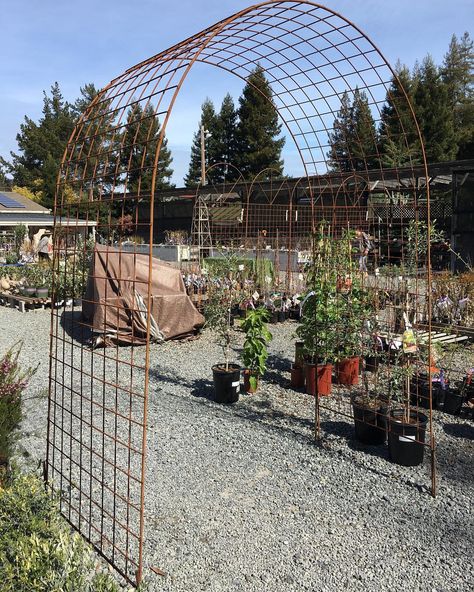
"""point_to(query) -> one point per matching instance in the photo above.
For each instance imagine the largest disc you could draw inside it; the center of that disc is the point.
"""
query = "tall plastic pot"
(226, 383)
(406, 439)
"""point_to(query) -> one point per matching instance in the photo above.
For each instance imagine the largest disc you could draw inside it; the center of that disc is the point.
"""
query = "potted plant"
(318, 331)
(353, 309)
(255, 353)
(319, 327)
(407, 425)
(43, 281)
(297, 368)
(370, 416)
(218, 312)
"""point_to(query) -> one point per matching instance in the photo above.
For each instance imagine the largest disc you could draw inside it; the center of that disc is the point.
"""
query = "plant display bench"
(23, 303)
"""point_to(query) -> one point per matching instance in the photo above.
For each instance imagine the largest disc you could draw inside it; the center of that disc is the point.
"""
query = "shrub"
(13, 381)
(38, 552)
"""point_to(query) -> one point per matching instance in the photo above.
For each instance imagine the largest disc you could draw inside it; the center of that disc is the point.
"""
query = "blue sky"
(95, 40)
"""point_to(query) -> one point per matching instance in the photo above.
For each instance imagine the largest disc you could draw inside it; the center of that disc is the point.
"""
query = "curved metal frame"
(311, 55)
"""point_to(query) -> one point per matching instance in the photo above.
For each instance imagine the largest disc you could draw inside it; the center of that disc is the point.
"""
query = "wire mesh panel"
(321, 68)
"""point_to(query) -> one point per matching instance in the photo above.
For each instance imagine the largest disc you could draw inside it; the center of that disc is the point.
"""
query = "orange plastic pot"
(347, 371)
(323, 374)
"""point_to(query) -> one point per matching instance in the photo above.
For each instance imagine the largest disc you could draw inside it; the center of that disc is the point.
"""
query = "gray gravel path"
(240, 498)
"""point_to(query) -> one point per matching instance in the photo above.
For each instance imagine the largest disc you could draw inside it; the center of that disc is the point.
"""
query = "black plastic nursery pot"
(420, 394)
(274, 316)
(226, 383)
(406, 440)
(281, 316)
(453, 401)
(371, 363)
(370, 424)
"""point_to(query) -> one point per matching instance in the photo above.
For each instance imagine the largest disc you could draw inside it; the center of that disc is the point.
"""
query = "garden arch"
(97, 418)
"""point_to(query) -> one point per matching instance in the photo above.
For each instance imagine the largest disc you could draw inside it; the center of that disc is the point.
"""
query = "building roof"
(25, 205)
(38, 219)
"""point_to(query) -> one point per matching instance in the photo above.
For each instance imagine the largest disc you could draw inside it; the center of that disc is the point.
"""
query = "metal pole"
(203, 156)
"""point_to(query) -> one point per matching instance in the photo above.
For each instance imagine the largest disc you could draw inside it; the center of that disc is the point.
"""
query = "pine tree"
(364, 142)
(41, 146)
(226, 141)
(140, 144)
(258, 129)
(209, 121)
(339, 155)
(399, 140)
(353, 141)
(458, 74)
(434, 113)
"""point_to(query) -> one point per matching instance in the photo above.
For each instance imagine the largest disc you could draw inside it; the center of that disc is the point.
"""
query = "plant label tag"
(407, 438)
(236, 383)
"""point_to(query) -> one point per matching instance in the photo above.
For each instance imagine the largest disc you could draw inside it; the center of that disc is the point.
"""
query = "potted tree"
(218, 312)
(321, 311)
(353, 308)
(407, 425)
(255, 353)
(318, 331)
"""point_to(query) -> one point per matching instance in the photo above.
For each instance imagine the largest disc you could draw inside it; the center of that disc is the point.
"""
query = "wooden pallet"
(436, 337)
(23, 303)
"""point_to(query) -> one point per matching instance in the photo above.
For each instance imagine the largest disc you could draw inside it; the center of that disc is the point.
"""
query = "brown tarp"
(117, 293)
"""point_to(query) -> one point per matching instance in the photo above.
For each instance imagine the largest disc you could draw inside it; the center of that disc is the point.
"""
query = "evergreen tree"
(42, 146)
(364, 144)
(258, 129)
(353, 145)
(458, 75)
(399, 140)
(209, 121)
(88, 94)
(140, 144)
(339, 155)
(434, 113)
(226, 141)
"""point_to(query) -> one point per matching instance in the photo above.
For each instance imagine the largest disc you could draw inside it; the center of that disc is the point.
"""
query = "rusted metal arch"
(311, 55)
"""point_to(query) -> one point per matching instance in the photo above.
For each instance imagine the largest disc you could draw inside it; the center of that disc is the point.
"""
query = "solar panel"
(8, 202)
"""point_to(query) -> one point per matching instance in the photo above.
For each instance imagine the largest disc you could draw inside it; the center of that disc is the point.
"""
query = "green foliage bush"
(38, 552)
(257, 337)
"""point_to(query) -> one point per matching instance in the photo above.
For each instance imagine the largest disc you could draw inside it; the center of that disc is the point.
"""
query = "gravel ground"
(240, 498)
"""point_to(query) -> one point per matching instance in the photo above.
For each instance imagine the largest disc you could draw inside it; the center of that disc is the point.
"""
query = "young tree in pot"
(407, 425)
(318, 331)
(255, 353)
(319, 323)
(354, 310)
(222, 298)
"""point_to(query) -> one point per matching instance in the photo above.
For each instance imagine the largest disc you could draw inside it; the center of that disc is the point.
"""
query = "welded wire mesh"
(312, 58)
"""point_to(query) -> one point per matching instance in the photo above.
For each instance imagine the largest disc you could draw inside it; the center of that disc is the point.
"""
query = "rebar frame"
(97, 417)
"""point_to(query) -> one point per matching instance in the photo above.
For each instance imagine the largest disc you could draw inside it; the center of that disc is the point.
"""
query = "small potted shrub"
(255, 353)
(218, 312)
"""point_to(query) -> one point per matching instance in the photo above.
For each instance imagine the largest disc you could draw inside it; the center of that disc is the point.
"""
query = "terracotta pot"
(297, 376)
(247, 388)
(324, 376)
(347, 371)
